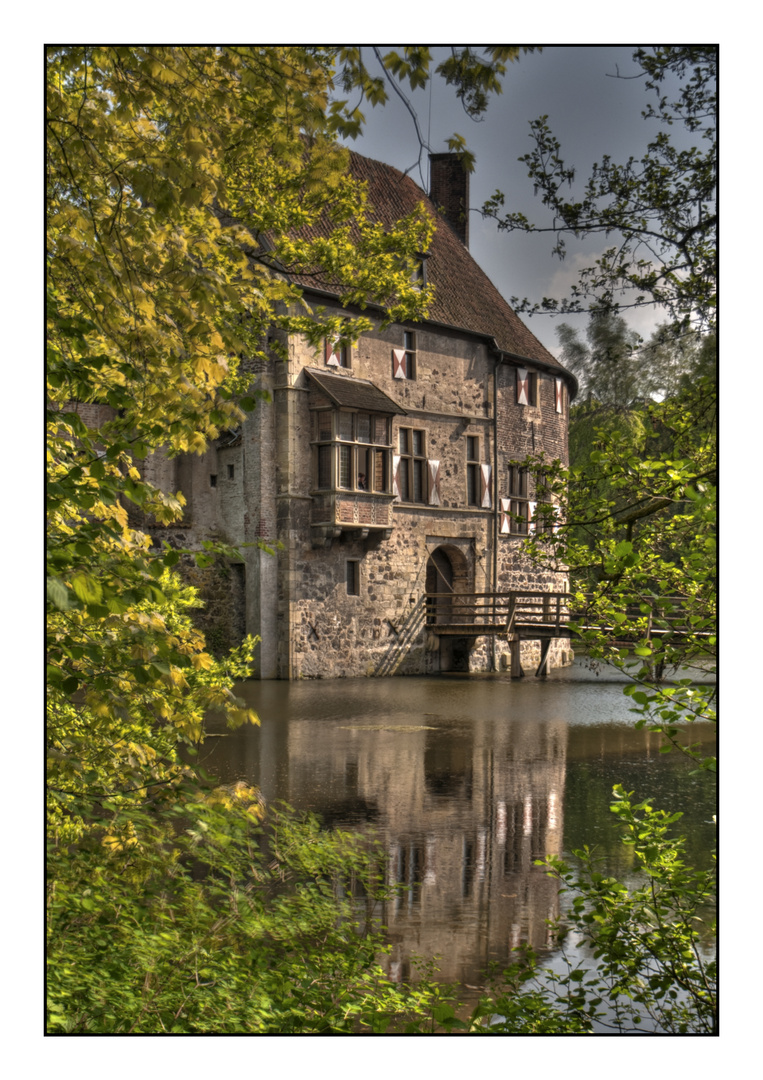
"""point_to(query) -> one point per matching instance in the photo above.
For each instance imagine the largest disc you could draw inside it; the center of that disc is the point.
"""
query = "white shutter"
(333, 355)
(505, 519)
(398, 363)
(395, 467)
(559, 395)
(485, 486)
(434, 482)
(523, 387)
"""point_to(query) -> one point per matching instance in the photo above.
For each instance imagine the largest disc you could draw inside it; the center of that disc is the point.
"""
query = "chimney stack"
(449, 191)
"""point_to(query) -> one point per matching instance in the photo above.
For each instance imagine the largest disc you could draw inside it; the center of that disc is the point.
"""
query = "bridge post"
(516, 661)
(545, 649)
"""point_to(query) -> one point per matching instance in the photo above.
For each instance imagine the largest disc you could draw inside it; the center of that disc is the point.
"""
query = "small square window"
(231, 472)
(213, 479)
(353, 577)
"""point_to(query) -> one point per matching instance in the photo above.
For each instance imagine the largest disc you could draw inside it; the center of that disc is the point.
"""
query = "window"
(336, 354)
(411, 473)
(420, 275)
(472, 470)
(352, 577)
(231, 472)
(352, 451)
(527, 387)
(404, 360)
(213, 479)
(477, 475)
(516, 510)
(517, 482)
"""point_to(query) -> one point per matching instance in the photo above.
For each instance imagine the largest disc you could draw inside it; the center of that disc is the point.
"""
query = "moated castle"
(381, 473)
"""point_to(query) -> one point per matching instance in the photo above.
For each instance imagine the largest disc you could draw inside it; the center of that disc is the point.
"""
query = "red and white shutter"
(505, 516)
(395, 468)
(398, 364)
(531, 506)
(485, 486)
(333, 352)
(523, 387)
(559, 395)
(434, 482)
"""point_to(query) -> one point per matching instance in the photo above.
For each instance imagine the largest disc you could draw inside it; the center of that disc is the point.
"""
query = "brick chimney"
(449, 191)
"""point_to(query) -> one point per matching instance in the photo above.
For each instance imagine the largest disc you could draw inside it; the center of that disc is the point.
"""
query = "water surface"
(466, 781)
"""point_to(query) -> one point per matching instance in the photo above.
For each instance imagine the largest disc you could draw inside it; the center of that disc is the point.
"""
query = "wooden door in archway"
(440, 580)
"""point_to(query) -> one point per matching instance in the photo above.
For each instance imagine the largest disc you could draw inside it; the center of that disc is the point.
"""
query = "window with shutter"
(404, 360)
(411, 468)
(559, 387)
(335, 353)
(515, 511)
(527, 387)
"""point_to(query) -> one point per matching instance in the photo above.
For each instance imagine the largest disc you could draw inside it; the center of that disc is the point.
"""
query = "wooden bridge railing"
(548, 613)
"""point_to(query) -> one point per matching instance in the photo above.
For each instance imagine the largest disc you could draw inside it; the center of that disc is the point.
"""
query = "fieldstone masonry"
(317, 477)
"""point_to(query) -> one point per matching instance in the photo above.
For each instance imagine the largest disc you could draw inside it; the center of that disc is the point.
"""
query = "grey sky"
(590, 112)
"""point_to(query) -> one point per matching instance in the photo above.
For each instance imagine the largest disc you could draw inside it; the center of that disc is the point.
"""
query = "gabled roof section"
(354, 393)
(465, 298)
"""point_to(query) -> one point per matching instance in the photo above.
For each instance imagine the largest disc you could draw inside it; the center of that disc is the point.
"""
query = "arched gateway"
(448, 576)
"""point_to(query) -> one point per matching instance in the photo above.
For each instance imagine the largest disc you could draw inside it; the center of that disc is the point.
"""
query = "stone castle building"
(383, 471)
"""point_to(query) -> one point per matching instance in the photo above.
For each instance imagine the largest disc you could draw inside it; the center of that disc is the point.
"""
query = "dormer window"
(420, 273)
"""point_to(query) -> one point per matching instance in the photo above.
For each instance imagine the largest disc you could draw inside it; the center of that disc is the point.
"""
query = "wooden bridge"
(541, 616)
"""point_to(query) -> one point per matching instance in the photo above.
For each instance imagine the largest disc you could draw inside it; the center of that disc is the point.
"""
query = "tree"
(177, 180)
(661, 209)
(183, 184)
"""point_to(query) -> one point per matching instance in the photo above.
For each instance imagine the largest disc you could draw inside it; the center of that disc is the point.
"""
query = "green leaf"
(57, 593)
(86, 588)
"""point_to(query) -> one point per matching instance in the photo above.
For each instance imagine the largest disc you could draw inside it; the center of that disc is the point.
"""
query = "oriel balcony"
(357, 512)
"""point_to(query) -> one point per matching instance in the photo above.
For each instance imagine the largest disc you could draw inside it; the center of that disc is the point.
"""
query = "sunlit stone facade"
(382, 472)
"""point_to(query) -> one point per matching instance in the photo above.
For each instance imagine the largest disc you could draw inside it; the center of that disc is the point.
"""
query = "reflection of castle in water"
(463, 812)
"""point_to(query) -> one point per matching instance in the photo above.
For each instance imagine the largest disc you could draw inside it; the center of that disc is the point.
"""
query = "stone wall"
(297, 597)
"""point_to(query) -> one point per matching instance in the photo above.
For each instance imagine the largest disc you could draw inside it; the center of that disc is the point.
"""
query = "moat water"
(466, 781)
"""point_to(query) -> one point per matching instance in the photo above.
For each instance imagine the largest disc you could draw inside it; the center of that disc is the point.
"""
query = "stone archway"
(448, 575)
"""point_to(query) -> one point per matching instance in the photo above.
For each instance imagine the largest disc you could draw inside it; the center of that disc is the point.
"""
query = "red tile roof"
(465, 298)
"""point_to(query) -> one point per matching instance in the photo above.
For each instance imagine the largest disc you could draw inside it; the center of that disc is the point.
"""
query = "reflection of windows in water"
(407, 868)
(467, 867)
(448, 765)
(512, 857)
